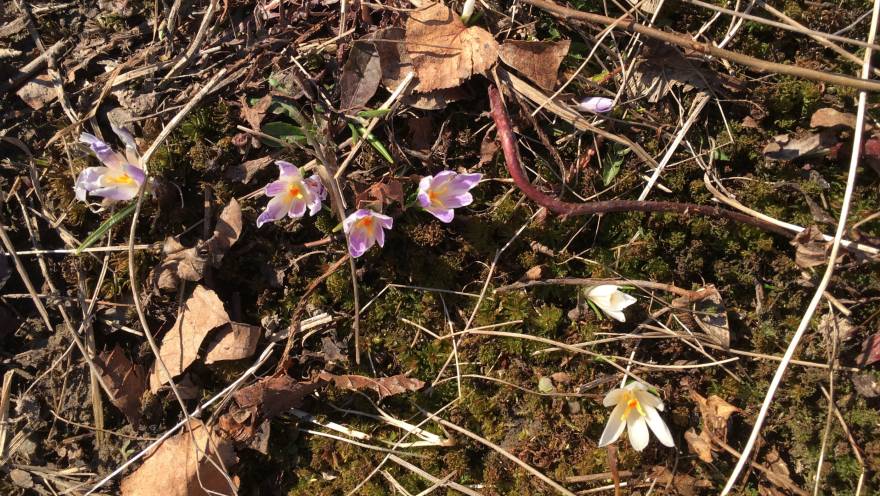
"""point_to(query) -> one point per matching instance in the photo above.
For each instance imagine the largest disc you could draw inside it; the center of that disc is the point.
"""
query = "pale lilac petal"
(424, 200)
(613, 397)
(359, 242)
(384, 220)
(638, 430)
(317, 187)
(597, 104)
(135, 173)
(116, 192)
(458, 201)
(276, 209)
(615, 426)
(297, 208)
(658, 426)
(88, 181)
(288, 170)
(103, 151)
(315, 205)
(443, 214)
(443, 176)
(379, 232)
(353, 218)
(466, 181)
(131, 149)
(425, 184)
(277, 188)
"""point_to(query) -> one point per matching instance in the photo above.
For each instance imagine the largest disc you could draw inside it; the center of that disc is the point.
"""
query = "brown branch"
(508, 143)
(686, 42)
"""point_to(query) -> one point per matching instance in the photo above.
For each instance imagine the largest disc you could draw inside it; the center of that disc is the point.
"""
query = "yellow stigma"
(367, 222)
(292, 193)
(123, 179)
(630, 404)
(433, 197)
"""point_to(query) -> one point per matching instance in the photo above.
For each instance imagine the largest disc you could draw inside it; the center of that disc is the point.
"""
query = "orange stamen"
(368, 223)
(123, 179)
(433, 197)
(292, 193)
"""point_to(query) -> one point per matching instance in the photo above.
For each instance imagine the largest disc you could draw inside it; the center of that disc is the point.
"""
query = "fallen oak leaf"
(536, 60)
(276, 394)
(233, 341)
(202, 312)
(473, 50)
(178, 468)
(125, 380)
(385, 386)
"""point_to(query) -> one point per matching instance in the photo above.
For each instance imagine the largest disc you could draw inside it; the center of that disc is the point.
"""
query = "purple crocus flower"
(119, 178)
(364, 229)
(447, 190)
(597, 104)
(291, 194)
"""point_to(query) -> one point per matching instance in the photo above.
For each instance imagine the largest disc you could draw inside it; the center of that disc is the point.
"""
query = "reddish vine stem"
(511, 155)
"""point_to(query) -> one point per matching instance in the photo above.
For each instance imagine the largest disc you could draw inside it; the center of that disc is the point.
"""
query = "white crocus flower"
(635, 408)
(610, 300)
(467, 10)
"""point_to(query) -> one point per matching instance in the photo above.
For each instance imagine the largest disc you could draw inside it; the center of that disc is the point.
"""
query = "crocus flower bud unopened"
(467, 10)
(597, 104)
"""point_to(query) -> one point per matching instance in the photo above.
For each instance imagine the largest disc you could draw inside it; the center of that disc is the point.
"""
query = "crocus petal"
(638, 431)
(622, 300)
(131, 149)
(603, 290)
(103, 151)
(317, 187)
(614, 314)
(649, 399)
(354, 217)
(466, 181)
(443, 176)
(424, 200)
(277, 188)
(359, 242)
(87, 181)
(615, 426)
(380, 235)
(443, 214)
(597, 104)
(116, 193)
(135, 173)
(658, 426)
(613, 397)
(297, 208)
(288, 170)
(276, 209)
(384, 221)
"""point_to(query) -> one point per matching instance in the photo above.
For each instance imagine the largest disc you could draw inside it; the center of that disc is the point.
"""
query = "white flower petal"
(658, 426)
(613, 397)
(638, 430)
(646, 398)
(615, 426)
(614, 314)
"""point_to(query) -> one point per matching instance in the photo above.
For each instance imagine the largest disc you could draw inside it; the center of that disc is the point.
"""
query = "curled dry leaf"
(870, 351)
(238, 425)
(332, 351)
(254, 115)
(126, 381)
(536, 60)
(385, 386)
(711, 316)
(202, 312)
(829, 118)
(681, 483)
(233, 342)
(473, 50)
(698, 445)
(777, 482)
(810, 247)
(360, 75)
(783, 147)
(178, 468)
(276, 394)
(246, 171)
(189, 263)
(716, 412)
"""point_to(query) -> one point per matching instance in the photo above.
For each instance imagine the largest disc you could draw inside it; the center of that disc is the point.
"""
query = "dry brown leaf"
(202, 312)
(474, 50)
(716, 412)
(233, 342)
(38, 92)
(189, 263)
(561, 377)
(126, 381)
(177, 468)
(385, 386)
(828, 117)
(784, 147)
(435, 99)
(332, 351)
(226, 232)
(487, 150)
(698, 445)
(775, 483)
(238, 425)
(711, 316)
(246, 171)
(276, 394)
(810, 247)
(254, 115)
(393, 57)
(536, 60)
(682, 483)
(663, 66)
(360, 75)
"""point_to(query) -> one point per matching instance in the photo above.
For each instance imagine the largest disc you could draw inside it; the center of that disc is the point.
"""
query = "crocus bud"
(467, 10)
(597, 104)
